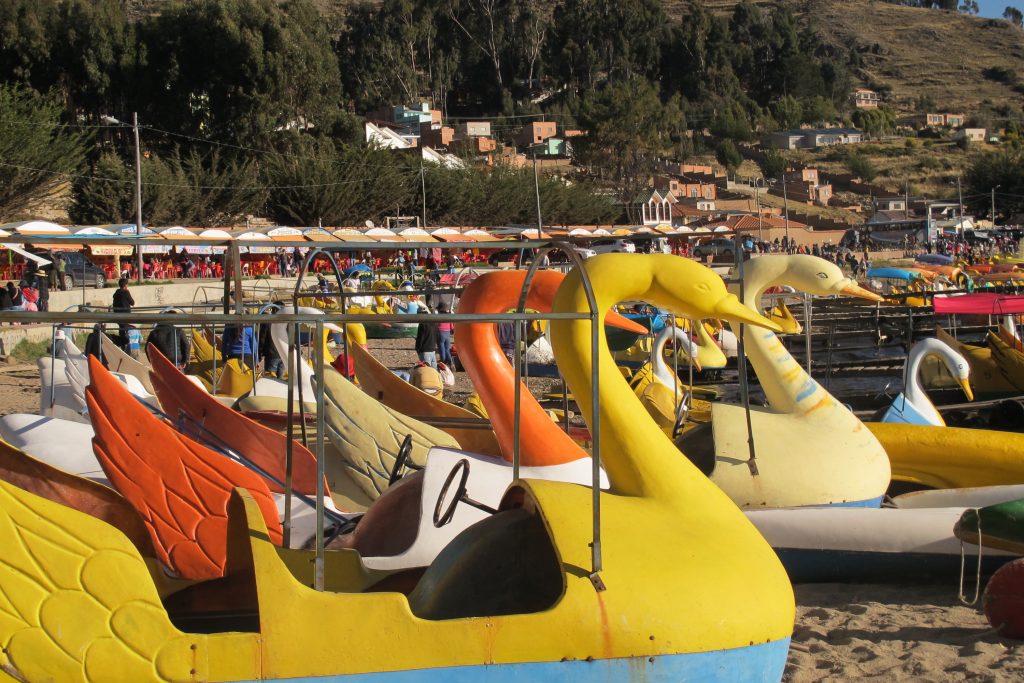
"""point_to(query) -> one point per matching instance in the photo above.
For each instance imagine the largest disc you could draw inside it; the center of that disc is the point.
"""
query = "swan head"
(817, 276)
(703, 295)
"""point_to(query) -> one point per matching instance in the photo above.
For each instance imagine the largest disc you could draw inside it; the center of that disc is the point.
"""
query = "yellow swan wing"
(77, 602)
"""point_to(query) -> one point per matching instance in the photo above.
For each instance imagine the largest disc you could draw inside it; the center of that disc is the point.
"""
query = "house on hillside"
(536, 132)
(434, 156)
(389, 138)
(803, 186)
(473, 138)
(890, 204)
(866, 99)
(813, 138)
(688, 210)
(970, 134)
(931, 120)
(681, 187)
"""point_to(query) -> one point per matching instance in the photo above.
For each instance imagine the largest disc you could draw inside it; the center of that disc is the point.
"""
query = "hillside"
(906, 52)
(910, 52)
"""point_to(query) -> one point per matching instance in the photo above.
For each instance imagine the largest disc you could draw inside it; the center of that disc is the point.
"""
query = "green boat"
(1002, 526)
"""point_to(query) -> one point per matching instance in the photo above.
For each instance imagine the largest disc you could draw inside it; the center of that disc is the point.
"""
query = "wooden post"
(236, 268)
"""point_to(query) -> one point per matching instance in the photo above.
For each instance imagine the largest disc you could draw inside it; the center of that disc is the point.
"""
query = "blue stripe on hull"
(869, 503)
(809, 565)
(755, 664)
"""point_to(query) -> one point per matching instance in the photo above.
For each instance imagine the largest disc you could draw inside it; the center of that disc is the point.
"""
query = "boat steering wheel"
(440, 520)
(682, 412)
(404, 451)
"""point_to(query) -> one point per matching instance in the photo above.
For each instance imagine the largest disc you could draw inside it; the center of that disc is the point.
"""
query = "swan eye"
(823, 276)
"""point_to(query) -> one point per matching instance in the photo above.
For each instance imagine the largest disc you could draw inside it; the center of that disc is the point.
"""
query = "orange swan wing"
(263, 446)
(180, 488)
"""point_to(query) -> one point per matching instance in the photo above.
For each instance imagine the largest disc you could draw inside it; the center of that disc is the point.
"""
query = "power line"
(236, 188)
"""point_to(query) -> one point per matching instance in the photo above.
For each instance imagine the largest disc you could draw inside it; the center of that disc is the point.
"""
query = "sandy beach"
(913, 631)
(896, 632)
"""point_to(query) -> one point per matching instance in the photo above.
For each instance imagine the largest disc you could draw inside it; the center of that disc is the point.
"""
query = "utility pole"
(906, 201)
(960, 202)
(785, 205)
(757, 201)
(138, 196)
(994, 206)
(536, 188)
(423, 186)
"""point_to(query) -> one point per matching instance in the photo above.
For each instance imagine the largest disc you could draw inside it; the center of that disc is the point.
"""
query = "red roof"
(749, 222)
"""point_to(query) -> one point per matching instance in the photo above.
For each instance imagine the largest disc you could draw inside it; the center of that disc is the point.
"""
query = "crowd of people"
(32, 293)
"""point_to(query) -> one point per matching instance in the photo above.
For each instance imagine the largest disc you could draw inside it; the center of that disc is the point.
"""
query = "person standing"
(427, 336)
(172, 342)
(43, 285)
(239, 341)
(61, 265)
(122, 303)
(272, 362)
(15, 295)
(5, 299)
(444, 340)
(132, 341)
(507, 340)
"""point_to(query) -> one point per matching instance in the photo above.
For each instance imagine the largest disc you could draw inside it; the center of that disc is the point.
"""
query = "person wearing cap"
(43, 285)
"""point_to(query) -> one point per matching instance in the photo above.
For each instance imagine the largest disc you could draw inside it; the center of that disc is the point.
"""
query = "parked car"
(612, 246)
(80, 271)
(560, 256)
(719, 248)
(509, 256)
(976, 237)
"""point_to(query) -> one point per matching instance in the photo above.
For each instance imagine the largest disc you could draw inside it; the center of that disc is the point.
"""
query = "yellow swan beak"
(966, 384)
(853, 289)
(731, 309)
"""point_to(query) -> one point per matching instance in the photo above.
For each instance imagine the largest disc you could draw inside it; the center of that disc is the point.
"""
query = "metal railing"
(295, 319)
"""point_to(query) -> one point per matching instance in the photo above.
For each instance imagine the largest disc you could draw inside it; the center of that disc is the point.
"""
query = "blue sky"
(994, 8)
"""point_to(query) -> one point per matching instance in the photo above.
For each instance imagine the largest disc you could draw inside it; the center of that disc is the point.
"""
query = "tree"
(728, 155)
(181, 189)
(37, 153)
(238, 69)
(773, 164)
(1014, 16)
(629, 127)
(1002, 169)
(788, 112)
(315, 180)
(861, 166)
(487, 25)
(969, 7)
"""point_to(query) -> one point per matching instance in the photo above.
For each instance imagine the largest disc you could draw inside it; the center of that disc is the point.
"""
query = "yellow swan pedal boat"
(688, 589)
(809, 448)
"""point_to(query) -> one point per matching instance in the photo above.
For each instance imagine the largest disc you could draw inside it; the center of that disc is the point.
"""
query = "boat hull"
(841, 544)
(761, 662)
